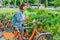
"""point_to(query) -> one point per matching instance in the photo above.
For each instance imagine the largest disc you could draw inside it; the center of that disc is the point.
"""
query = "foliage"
(33, 1)
(8, 12)
(51, 23)
(56, 3)
(46, 2)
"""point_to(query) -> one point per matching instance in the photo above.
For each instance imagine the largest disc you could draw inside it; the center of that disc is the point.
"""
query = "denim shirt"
(18, 18)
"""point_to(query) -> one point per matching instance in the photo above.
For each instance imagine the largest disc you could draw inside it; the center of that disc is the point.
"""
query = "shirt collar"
(21, 10)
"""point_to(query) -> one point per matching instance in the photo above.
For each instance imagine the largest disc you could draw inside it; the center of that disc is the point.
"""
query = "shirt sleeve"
(19, 17)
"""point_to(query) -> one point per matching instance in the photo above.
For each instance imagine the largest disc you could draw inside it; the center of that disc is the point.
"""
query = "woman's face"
(24, 8)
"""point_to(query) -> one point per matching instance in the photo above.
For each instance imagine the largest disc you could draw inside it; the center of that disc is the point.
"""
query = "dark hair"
(22, 5)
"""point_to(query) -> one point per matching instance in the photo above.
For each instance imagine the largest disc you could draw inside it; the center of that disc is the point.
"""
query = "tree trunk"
(27, 2)
(46, 2)
(8, 2)
(15, 3)
(38, 3)
(21, 1)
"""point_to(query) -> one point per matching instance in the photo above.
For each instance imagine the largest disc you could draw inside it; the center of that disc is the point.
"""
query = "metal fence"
(7, 3)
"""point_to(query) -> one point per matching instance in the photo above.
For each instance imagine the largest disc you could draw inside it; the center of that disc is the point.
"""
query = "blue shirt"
(18, 18)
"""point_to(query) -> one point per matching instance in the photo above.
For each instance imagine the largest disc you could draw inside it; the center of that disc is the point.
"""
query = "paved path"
(2, 38)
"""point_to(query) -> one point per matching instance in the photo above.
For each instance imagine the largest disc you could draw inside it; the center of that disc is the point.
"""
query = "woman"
(19, 17)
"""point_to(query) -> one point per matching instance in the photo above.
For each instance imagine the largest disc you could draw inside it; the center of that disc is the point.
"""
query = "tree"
(9, 2)
(56, 3)
(46, 2)
(38, 3)
(33, 1)
(5, 2)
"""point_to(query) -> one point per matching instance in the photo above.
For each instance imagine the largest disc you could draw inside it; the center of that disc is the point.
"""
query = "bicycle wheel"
(44, 36)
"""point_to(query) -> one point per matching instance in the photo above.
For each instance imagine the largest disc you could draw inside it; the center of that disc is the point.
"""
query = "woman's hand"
(27, 17)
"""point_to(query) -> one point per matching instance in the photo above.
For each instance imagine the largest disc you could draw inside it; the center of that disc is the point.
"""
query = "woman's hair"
(22, 5)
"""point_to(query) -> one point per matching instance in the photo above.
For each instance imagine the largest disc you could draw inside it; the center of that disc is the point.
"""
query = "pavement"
(1, 38)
